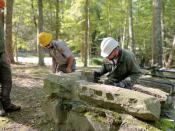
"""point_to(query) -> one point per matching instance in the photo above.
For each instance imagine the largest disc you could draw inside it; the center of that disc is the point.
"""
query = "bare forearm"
(70, 61)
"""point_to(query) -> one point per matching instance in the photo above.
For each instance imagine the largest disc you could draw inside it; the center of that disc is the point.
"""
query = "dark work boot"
(2, 111)
(11, 107)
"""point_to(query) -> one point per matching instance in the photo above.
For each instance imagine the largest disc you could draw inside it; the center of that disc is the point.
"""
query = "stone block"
(140, 105)
(61, 86)
(93, 119)
(161, 95)
(130, 123)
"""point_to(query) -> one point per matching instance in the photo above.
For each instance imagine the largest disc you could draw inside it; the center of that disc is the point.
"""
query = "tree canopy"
(66, 20)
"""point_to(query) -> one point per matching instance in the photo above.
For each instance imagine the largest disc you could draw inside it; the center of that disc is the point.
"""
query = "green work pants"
(5, 79)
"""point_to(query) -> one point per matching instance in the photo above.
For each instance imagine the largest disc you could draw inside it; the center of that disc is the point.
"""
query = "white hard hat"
(107, 46)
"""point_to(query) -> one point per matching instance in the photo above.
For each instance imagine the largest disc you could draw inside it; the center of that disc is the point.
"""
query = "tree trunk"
(40, 29)
(33, 13)
(157, 49)
(16, 30)
(124, 34)
(51, 15)
(34, 18)
(87, 25)
(8, 34)
(2, 45)
(170, 58)
(16, 48)
(162, 33)
(162, 22)
(57, 24)
(131, 32)
(109, 17)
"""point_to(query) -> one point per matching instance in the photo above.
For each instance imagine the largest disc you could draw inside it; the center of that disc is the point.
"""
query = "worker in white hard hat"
(120, 64)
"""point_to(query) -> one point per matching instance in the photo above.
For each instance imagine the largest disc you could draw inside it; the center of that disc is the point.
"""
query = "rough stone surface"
(160, 83)
(135, 103)
(161, 95)
(61, 86)
(74, 104)
(130, 123)
(54, 111)
(92, 119)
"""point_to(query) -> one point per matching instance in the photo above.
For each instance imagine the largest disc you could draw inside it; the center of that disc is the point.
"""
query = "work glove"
(124, 84)
(120, 84)
(96, 77)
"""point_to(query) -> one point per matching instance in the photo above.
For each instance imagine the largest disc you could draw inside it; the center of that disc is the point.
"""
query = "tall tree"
(131, 32)
(8, 34)
(170, 60)
(57, 25)
(34, 18)
(109, 17)
(51, 25)
(2, 45)
(87, 31)
(33, 14)
(157, 50)
(40, 29)
(16, 30)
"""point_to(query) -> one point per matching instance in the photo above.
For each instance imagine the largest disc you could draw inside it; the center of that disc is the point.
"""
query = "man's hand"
(68, 70)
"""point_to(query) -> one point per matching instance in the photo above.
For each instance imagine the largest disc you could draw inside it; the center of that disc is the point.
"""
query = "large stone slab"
(61, 85)
(161, 95)
(163, 84)
(135, 103)
(129, 123)
(54, 111)
(92, 119)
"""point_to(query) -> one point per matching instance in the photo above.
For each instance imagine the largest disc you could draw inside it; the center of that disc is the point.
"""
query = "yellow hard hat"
(44, 38)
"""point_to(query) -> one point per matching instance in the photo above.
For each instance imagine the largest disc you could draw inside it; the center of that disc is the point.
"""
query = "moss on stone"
(106, 117)
(134, 122)
(165, 124)
(95, 117)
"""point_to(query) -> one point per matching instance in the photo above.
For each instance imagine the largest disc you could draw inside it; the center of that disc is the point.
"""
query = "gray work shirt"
(59, 53)
(62, 47)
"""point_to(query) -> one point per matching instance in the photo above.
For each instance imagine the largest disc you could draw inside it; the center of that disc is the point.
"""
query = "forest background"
(146, 27)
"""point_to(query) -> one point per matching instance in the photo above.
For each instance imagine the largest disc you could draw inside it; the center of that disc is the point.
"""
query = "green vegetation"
(106, 18)
(165, 124)
(97, 61)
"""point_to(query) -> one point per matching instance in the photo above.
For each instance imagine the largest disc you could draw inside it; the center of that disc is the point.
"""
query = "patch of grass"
(97, 61)
(165, 124)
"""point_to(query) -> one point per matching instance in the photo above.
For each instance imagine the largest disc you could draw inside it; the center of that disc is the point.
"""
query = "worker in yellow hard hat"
(62, 57)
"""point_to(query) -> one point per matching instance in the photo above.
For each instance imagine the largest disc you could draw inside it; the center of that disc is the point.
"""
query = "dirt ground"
(27, 92)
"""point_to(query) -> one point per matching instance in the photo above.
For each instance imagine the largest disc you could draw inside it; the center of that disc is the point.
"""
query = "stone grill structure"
(74, 103)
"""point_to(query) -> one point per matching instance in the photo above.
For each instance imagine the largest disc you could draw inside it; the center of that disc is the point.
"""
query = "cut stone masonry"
(75, 103)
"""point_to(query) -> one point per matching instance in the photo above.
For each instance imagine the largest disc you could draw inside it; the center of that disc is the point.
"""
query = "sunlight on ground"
(27, 92)
(48, 61)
